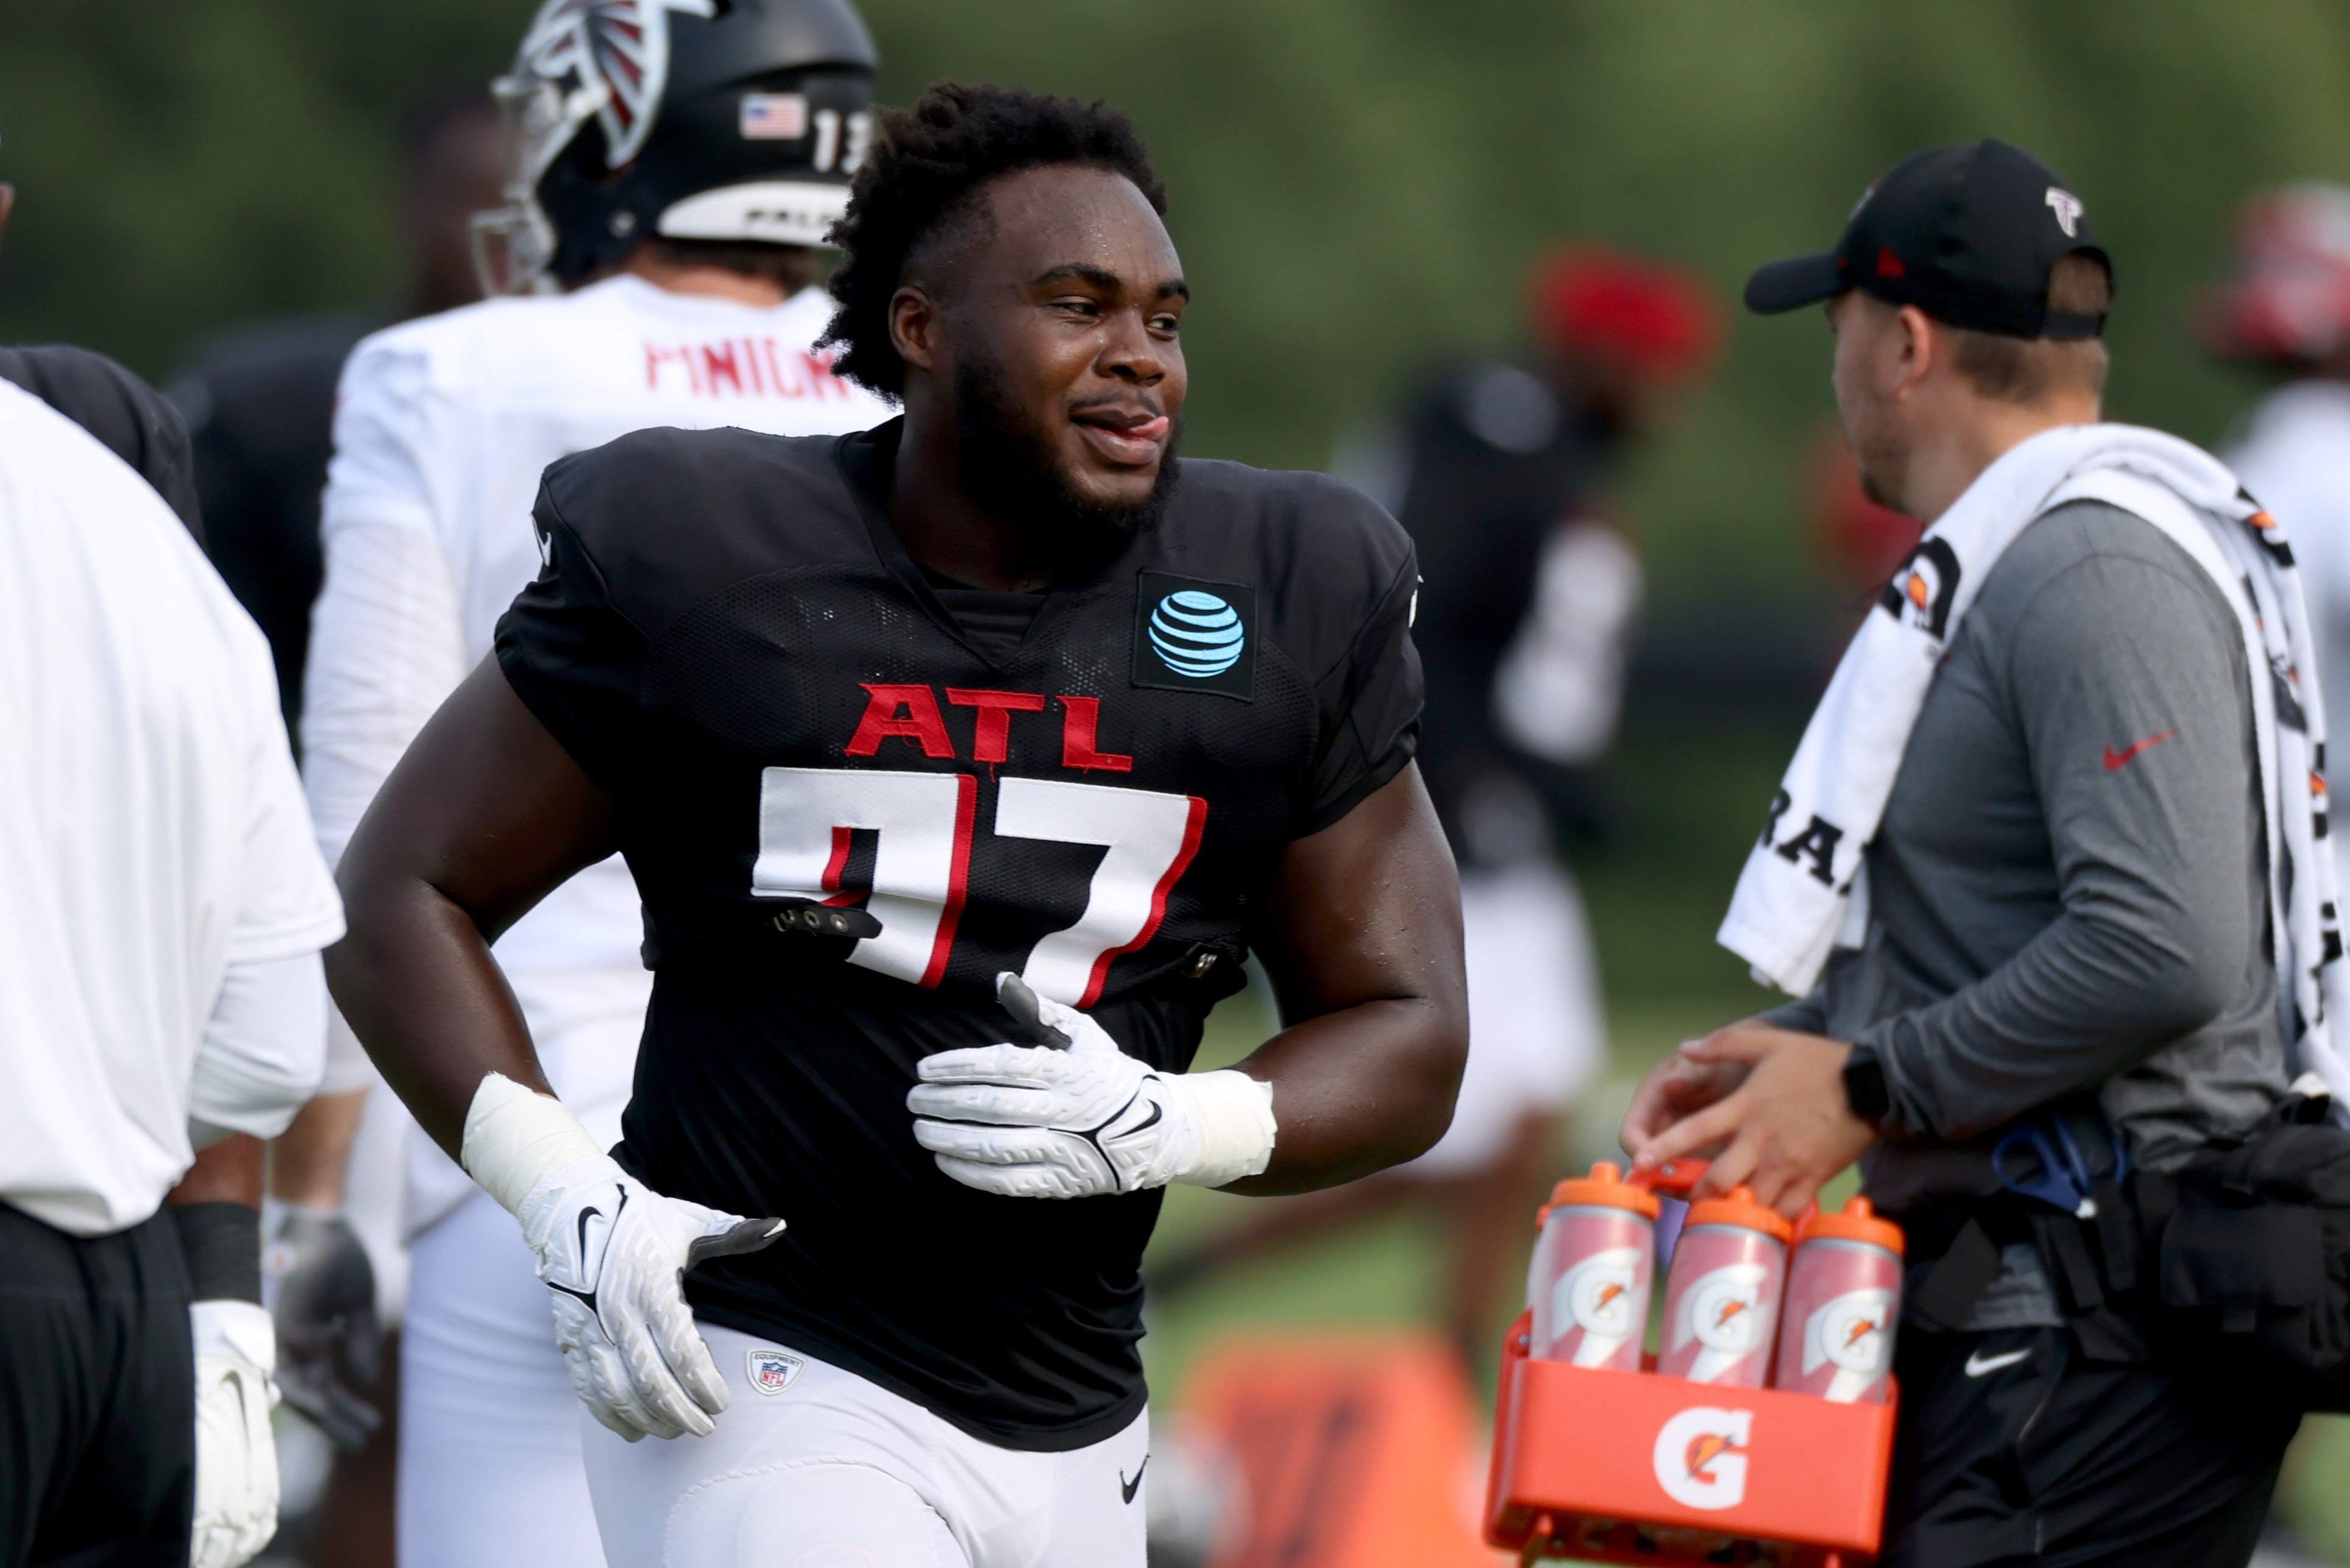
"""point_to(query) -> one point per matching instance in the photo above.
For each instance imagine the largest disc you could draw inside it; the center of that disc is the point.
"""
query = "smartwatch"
(1864, 1085)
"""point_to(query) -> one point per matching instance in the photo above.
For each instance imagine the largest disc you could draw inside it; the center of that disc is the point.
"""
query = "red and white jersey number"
(923, 825)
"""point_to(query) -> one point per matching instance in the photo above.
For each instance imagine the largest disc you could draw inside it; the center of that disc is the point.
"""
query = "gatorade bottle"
(1593, 1267)
(1721, 1300)
(1844, 1302)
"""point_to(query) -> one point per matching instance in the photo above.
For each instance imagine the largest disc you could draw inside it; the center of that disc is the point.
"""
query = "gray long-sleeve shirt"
(2069, 887)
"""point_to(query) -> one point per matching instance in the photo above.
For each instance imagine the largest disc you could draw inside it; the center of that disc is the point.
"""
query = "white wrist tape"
(1236, 1128)
(515, 1139)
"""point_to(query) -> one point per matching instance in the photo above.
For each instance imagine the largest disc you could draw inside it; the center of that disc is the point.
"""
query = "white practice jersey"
(152, 837)
(442, 427)
(2294, 457)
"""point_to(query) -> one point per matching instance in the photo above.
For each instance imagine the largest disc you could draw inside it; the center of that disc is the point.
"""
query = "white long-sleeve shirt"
(163, 900)
(442, 430)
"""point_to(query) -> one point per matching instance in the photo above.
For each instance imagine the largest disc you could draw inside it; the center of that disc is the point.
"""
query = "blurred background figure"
(1529, 594)
(2287, 307)
(259, 398)
(259, 401)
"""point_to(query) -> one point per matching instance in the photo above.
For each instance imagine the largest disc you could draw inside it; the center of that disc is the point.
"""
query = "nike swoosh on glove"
(328, 1341)
(1032, 1121)
(236, 1454)
(614, 1254)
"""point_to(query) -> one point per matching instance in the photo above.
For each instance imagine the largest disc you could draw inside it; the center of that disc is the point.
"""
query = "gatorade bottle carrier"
(1632, 1467)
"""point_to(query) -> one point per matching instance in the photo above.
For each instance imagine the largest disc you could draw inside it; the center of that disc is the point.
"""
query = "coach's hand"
(614, 1254)
(1766, 1105)
(237, 1454)
(1038, 1121)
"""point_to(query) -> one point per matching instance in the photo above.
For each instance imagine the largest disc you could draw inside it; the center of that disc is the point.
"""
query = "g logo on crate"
(1597, 1292)
(1700, 1456)
(772, 1371)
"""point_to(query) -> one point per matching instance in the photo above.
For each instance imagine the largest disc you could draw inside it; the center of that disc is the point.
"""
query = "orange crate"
(1595, 1465)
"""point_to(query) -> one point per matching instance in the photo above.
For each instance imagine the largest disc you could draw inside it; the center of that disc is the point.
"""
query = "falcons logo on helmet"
(614, 51)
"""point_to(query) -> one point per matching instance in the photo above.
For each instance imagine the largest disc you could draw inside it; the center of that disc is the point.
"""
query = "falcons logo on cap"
(616, 51)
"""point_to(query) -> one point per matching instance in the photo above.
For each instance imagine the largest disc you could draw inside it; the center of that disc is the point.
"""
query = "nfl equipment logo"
(772, 1371)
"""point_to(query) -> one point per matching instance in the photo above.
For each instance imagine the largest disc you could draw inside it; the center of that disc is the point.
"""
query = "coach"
(2018, 873)
(161, 907)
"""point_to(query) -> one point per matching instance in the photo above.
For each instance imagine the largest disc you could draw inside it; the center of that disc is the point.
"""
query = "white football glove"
(236, 1454)
(1044, 1121)
(613, 1254)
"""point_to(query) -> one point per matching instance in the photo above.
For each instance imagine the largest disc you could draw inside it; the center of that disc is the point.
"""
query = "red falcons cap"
(1967, 234)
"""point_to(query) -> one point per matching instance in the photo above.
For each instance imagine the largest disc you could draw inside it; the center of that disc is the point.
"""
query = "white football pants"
(814, 1467)
(489, 1472)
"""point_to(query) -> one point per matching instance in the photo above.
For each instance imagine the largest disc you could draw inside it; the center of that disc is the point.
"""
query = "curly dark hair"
(925, 163)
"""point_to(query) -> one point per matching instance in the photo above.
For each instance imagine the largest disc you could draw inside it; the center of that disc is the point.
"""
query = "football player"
(677, 164)
(2287, 307)
(960, 764)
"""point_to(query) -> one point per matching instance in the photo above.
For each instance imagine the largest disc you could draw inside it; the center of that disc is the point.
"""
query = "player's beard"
(1010, 468)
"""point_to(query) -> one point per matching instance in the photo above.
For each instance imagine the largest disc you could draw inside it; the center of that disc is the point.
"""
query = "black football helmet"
(700, 120)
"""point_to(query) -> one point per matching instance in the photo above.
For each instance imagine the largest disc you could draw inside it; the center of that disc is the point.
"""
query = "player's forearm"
(309, 1161)
(416, 982)
(1358, 1090)
(227, 1172)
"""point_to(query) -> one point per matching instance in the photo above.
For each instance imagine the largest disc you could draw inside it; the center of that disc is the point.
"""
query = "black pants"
(98, 1389)
(2013, 1449)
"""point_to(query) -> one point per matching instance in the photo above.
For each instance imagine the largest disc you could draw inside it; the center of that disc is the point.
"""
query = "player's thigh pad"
(816, 1515)
(798, 1433)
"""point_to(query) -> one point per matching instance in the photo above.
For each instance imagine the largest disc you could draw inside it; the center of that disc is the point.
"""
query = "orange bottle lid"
(1604, 1187)
(1740, 1208)
(1859, 1222)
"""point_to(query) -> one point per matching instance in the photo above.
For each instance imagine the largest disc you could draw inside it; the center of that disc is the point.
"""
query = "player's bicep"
(1367, 909)
(486, 808)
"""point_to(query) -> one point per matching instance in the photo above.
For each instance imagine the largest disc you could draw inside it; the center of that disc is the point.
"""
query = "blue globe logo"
(1197, 634)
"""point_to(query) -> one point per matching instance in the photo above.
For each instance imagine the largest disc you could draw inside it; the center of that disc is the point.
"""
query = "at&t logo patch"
(1700, 1456)
(772, 1371)
(1194, 635)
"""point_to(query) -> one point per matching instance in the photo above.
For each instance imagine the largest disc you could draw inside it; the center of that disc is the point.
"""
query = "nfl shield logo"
(772, 1371)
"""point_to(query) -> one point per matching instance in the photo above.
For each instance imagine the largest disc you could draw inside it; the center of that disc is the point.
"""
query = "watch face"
(1864, 1086)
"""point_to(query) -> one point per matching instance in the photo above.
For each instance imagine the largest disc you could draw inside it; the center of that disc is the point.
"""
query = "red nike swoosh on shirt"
(2117, 761)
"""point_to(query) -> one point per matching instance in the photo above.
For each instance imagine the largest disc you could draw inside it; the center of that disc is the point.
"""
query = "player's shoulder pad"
(1327, 561)
(669, 517)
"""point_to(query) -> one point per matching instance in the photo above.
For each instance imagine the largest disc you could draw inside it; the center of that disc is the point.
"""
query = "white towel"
(1805, 889)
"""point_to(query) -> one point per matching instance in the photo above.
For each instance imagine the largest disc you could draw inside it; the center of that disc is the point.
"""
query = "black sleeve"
(1369, 709)
(221, 1242)
(134, 420)
(575, 662)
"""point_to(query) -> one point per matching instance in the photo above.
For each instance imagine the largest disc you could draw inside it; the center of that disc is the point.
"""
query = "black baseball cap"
(1967, 234)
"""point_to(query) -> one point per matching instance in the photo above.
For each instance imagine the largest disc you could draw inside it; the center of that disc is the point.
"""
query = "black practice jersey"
(729, 637)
